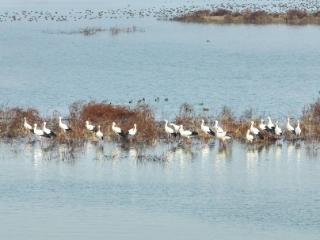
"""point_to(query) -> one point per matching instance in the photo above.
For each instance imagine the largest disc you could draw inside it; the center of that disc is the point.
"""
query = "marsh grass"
(249, 16)
(149, 129)
(11, 120)
(310, 121)
(90, 31)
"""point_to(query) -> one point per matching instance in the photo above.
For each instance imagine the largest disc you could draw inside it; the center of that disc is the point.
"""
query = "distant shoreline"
(224, 16)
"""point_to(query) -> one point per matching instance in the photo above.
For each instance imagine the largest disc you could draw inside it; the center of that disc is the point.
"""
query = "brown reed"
(249, 16)
(149, 130)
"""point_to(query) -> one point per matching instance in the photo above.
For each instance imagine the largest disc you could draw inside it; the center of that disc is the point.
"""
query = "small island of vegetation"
(220, 16)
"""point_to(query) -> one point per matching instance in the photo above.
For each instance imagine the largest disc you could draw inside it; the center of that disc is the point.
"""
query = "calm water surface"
(273, 69)
(165, 191)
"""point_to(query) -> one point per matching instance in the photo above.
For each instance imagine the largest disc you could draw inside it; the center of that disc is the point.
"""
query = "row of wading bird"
(48, 133)
(254, 133)
(175, 130)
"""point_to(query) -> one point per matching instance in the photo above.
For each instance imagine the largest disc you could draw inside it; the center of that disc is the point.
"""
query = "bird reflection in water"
(224, 152)
(37, 155)
(278, 150)
(206, 149)
(99, 152)
(252, 156)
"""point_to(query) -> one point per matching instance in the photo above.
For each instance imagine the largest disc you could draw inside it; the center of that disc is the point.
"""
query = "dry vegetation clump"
(117, 30)
(237, 127)
(249, 16)
(316, 14)
(257, 17)
(231, 124)
(104, 114)
(149, 130)
(294, 14)
(192, 121)
(310, 121)
(186, 116)
(89, 31)
(11, 121)
(147, 126)
(194, 16)
(220, 12)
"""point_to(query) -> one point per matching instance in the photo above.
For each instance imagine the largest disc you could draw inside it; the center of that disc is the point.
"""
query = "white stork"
(99, 134)
(222, 135)
(63, 126)
(175, 127)
(297, 130)
(262, 125)
(289, 127)
(206, 129)
(133, 130)
(170, 131)
(39, 132)
(249, 136)
(270, 126)
(255, 131)
(216, 127)
(277, 129)
(186, 133)
(90, 127)
(118, 130)
(47, 130)
(26, 125)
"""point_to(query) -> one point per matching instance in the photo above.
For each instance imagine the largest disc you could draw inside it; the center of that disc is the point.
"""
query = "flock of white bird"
(47, 133)
(251, 134)
(175, 130)
(254, 133)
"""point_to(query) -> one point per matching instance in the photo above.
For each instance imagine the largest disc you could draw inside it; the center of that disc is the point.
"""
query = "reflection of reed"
(298, 151)
(290, 149)
(90, 31)
(99, 152)
(115, 153)
(37, 155)
(205, 150)
(312, 150)
(278, 151)
(181, 153)
(224, 153)
(252, 156)
(133, 153)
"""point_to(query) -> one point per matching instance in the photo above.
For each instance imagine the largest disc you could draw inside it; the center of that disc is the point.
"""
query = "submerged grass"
(248, 16)
(90, 31)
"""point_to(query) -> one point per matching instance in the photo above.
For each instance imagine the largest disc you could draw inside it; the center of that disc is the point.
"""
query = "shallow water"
(272, 69)
(165, 191)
